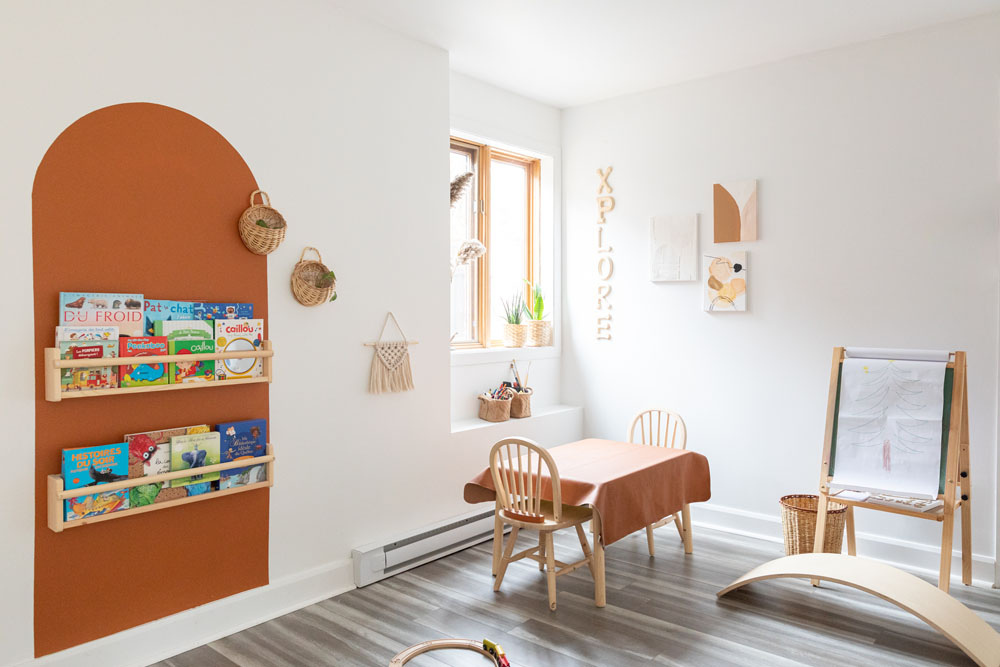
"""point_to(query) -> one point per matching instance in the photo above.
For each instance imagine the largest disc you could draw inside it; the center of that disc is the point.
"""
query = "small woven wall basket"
(798, 521)
(307, 280)
(494, 409)
(539, 333)
(520, 405)
(261, 227)
(514, 335)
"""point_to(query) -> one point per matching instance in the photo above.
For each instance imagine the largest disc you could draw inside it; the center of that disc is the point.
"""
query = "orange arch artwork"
(735, 211)
(141, 198)
(726, 282)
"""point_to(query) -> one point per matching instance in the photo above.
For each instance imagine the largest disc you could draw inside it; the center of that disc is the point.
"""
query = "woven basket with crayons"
(510, 399)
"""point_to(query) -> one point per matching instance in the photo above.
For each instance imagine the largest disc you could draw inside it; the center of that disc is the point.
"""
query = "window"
(499, 209)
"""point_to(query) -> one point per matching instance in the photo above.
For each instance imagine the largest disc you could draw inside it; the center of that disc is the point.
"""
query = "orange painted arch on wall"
(141, 198)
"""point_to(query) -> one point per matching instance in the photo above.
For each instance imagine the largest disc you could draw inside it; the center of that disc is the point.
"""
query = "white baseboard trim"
(166, 637)
(923, 558)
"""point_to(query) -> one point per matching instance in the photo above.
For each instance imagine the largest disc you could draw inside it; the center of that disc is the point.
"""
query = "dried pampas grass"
(458, 186)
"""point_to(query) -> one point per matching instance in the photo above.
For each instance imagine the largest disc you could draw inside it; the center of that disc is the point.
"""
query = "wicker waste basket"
(798, 522)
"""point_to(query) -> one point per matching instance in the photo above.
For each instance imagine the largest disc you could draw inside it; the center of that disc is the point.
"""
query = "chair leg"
(649, 541)
(505, 558)
(497, 539)
(541, 550)
(680, 528)
(586, 547)
(550, 566)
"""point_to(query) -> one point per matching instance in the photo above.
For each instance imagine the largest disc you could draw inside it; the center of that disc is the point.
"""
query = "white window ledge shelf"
(492, 355)
(537, 413)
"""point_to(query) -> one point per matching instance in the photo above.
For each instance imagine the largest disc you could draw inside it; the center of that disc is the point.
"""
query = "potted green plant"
(514, 330)
(539, 330)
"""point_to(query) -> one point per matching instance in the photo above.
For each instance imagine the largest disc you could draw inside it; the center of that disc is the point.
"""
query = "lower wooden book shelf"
(57, 495)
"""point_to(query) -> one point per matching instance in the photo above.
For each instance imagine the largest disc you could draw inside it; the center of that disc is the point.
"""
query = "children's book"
(185, 329)
(222, 311)
(96, 309)
(243, 440)
(90, 377)
(191, 371)
(86, 467)
(158, 310)
(149, 454)
(76, 334)
(238, 336)
(194, 451)
(141, 375)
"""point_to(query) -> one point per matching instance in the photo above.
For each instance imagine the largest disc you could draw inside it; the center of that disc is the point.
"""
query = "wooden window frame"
(485, 154)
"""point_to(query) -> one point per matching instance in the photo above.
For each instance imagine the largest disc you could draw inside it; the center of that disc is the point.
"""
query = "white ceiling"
(570, 52)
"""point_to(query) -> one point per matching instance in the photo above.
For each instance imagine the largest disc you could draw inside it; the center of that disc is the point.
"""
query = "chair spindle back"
(519, 467)
(659, 428)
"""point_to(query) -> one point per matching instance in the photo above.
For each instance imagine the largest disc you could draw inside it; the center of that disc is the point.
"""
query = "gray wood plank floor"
(661, 611)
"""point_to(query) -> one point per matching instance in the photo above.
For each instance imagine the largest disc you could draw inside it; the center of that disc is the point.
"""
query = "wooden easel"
(956, 476)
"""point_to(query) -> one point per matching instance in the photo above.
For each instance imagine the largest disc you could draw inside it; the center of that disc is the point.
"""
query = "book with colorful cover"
(222, 311)
(77, 334)
(100, 309)
(242, 440)
(191, 371)
(185, 329)
(141, 375)
(89, 377)
(239, 336)
(87, 467)
(149, 454)
(158, 310)
(194, 451)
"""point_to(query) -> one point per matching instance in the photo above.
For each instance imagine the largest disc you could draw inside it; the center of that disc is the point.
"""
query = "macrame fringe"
(385, 380)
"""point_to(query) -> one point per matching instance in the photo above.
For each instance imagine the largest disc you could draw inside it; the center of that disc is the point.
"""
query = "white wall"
(878, 200)
(501, 118)
(346, 126)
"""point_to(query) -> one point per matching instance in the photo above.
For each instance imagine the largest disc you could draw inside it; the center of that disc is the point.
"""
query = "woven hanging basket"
(798, 521)
(494, 409)
(261, 227)
(311, 283)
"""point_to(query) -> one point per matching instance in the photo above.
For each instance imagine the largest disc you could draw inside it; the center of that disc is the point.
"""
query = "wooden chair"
(517, 468)
(662, 428)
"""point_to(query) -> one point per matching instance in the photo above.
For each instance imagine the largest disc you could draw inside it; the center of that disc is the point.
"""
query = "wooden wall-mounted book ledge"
(54, 365)
(57, 494)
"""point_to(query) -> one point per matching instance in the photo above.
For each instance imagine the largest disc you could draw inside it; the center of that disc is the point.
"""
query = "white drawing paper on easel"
(673, 248)
(889, 426)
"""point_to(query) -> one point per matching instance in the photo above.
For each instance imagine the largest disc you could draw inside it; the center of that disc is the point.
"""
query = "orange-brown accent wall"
(141, 198)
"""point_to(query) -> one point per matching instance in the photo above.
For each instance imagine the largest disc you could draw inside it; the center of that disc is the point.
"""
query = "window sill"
(539, 413)
(493, 355)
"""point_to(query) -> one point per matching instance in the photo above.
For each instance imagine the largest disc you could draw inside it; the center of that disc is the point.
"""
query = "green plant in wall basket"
(514, 333)
(539, 331)
(535, 306)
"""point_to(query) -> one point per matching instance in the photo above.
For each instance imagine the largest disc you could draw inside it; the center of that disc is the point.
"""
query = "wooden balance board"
(929, 603)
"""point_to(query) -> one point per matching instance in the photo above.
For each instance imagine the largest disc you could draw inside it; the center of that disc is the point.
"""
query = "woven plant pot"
(520, 404)
(494, 409)
(308, 284)
(798, 521)
(514, 335)
(539, 333)
(261, 227)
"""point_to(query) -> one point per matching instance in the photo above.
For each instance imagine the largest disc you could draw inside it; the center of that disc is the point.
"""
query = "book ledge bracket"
(54, 364)
(57, 494)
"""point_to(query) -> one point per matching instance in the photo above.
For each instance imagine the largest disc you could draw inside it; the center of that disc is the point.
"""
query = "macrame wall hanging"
(391, 362)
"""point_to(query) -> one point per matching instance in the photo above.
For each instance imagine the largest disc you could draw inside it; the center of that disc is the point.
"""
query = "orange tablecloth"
(631, 486)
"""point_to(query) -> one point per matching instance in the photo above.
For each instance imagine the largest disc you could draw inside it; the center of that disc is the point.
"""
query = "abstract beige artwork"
(735, 211)
(673, 246)
(726, 282)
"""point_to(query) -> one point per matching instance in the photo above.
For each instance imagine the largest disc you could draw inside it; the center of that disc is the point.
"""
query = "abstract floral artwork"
(673, 248)
(735, 206)
(726, 282)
